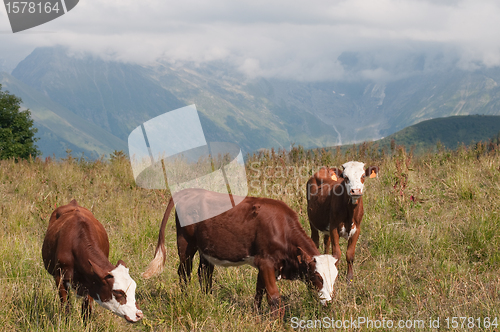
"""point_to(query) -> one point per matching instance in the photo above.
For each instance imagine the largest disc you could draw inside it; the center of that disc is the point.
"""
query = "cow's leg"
(314, 235)
(268, 276)
(351, 248)
(186, 253)
(87, 307)
(62, 286)
(205, 272)
(336, 253)
(259, 292)
(326, 243)
(86, 304)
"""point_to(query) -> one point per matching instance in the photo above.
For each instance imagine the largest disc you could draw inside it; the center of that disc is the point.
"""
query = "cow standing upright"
(260, 232)
(335, 207)
(75, 252)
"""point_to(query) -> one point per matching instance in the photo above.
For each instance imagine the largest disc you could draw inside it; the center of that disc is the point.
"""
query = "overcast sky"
(378, 39)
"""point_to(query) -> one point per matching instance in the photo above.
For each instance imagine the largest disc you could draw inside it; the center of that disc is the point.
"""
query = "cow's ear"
(101, 273)
(371, 172)
(335, 173)
(304, 257)
(120, 262)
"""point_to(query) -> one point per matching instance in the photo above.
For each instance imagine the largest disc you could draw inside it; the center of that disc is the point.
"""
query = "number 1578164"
(471, 322)
(22, 7)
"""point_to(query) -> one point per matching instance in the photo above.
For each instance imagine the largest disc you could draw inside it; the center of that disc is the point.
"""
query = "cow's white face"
(325, 266)
(354, 175)
(122, 302)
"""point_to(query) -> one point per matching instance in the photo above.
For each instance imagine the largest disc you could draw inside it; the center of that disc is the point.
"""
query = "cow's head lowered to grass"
(115, 291)
(354, 174)
(324, 276)
(320, 271)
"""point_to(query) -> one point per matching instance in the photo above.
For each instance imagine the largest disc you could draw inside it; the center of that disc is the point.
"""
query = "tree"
(17, 134)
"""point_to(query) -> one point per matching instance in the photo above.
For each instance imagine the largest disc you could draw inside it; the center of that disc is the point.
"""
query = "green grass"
(429, 245)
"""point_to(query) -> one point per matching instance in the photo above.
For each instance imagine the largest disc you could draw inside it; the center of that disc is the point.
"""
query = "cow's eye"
(346, 179)
(317, 280)
(119, 294)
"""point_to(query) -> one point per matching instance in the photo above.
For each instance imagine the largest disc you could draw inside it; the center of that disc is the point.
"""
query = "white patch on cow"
(353, 230)
(221, 262)
(353, 172)
(343, 233)
(346, 235)
(123, 281)
(325, 266)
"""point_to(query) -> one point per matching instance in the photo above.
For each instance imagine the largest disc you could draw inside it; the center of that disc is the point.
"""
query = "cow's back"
(243, 231)
(71, 228)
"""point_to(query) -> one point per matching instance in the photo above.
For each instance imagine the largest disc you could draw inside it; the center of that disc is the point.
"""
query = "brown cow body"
(75, 252)
(335, 207)
(261, 232)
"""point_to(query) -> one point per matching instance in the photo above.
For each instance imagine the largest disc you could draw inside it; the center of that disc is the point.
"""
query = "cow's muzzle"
(325, 303)
(356, 192)
(138, 316)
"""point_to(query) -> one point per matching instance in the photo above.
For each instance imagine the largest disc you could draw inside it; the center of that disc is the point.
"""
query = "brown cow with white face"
(335, 207)
(75, 252)
(260, 232)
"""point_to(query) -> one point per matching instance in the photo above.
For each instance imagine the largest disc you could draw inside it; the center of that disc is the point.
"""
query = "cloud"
(283, 39)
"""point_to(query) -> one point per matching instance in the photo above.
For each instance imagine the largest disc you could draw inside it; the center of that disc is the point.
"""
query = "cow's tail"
(157, 264)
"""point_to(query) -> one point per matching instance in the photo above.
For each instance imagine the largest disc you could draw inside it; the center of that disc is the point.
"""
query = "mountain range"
(84, 103)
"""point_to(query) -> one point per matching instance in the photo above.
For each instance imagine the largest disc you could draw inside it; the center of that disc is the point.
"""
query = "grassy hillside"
(450, 132)
(428, 247)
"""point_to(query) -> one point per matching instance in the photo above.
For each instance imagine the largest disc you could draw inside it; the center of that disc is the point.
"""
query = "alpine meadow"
(428, 249)
(250, 166)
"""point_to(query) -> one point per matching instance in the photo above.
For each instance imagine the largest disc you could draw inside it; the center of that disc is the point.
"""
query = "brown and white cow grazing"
(75, 252)
(335, 207)
(260, 232)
